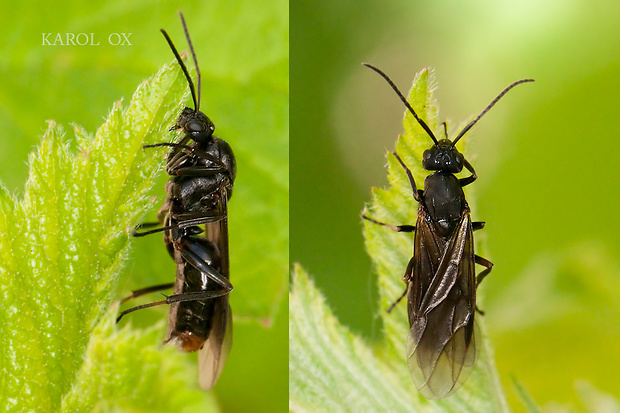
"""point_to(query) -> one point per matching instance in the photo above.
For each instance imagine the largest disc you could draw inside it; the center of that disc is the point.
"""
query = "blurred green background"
(242, 49)
(546, 158)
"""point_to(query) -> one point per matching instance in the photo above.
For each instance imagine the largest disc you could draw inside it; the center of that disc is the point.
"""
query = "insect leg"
(175, 298)
(189, 150)
(484, 273)
(175, 164)
(196, 171)
(143, 291)
(161, 217)
(182, 221)
(195, 296)
(482, 261)
(134, 233)
(193, 253)
(477, 225)
(398, 300)
(198, 218)
(417, 194)
(145, 225)
(406, 278)
(181, 153)
(140, 307)
(472, 177)
(395, 228)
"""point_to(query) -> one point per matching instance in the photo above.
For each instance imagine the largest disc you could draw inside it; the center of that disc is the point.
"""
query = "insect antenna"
(191, 48)
(183, 67)
(497, 98)
(400, 95)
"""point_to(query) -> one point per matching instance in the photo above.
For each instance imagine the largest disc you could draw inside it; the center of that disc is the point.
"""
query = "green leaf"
(122, 367)
(330, 369)
(64, 244)
(333, 369)
(528, 401)
(244, 92)
(595, 400)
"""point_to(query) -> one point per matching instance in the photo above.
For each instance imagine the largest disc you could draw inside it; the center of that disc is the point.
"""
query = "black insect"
(195, 227)
(440, 277)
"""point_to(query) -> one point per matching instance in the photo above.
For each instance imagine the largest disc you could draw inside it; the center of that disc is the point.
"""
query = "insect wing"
(214, 353)
(441, 346)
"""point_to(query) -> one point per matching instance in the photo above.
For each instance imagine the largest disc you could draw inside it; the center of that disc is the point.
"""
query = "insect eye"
(195, 126)
(427, 155)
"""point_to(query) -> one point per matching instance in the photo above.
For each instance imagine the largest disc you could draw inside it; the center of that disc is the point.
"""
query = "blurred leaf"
(327, 362)
(331, 369)
(577, 281)
(574, 293)
(259, 207)
(528, 402)
(123, 367)
(595, 400)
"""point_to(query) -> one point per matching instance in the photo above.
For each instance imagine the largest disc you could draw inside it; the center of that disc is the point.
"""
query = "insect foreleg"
(472, 177)
(417, 194)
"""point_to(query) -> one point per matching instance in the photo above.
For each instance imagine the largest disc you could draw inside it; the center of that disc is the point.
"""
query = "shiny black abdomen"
(197, 316)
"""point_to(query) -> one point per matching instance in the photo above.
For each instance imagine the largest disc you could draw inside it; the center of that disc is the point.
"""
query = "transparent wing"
(214, 353)
(441, 346)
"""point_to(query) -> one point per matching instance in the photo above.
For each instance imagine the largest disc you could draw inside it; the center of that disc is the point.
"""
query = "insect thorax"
(444, 200)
